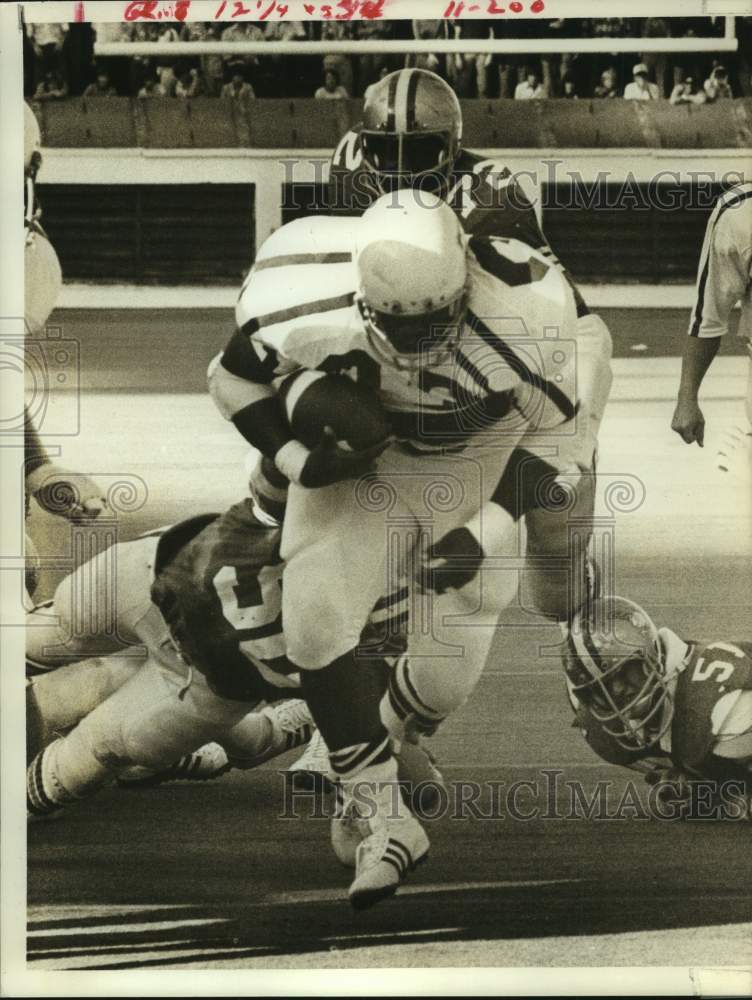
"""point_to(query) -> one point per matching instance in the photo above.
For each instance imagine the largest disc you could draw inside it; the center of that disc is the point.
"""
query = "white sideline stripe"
(393, 934)
(127, 946)
(159, 925)
(67, 911)
(335, 895)
(89, 296)
(119, 961)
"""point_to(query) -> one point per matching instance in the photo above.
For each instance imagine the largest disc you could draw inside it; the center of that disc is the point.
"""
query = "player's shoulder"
(469, 162)
(298, 270)
(312, 235)
(732, 219)
(514, 265)
(347, 153)
(722, 661)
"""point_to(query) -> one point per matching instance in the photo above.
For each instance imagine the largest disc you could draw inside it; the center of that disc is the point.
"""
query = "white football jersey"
(515, 357)
(725, 272)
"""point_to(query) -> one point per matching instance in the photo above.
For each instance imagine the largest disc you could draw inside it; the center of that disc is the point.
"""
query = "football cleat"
(347, 831)
(208, 762)
(393, 841)
(311, 771)
(385, 857)
(291, 725)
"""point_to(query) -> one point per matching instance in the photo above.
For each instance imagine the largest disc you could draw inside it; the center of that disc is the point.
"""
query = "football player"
(198, 608)
(56, 489)
(464, 342)
(724, 278)
(411, 136)
(647, 699)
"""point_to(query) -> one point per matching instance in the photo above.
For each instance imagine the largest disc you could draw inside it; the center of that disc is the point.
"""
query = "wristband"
(291, 459)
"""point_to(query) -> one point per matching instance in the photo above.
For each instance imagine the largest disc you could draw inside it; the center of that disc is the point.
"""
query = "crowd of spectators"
(59, 61)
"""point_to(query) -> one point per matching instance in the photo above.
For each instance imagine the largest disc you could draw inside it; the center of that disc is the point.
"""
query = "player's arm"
(241, 384)
(722, 281)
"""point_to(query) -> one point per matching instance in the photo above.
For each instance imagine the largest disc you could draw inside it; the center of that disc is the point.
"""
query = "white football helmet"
(412, 278)
(32, 143)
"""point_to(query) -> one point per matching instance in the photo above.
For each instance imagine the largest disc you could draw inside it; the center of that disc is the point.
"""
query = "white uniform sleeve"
(725, 264)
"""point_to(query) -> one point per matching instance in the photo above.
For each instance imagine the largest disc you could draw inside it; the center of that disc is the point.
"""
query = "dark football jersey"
(703, 739)
(218, 585)
(482, 191)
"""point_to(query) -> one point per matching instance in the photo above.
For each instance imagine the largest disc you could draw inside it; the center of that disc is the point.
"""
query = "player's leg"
(337, 568)
(559, 575)
(452, 633)
(164, 711)
(102, 607)
(59, 699)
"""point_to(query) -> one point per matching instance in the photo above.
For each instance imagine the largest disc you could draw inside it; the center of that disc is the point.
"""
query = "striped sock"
(350, 761)
(44, 793)
(402, 702)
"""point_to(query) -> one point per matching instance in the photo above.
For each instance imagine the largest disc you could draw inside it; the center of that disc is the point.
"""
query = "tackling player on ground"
(644, 696)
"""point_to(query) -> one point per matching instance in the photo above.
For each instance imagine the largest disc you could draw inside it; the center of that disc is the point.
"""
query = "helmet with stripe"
(616, 672)
(412, 278)
(412, 128)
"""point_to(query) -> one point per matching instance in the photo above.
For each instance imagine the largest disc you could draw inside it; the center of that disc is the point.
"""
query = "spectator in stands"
(238, 88)
(47, 40)
(426, 31)
(236, 64)
(102, 87)
(189, 83)
(370, 64)
(332, 89)
(51, 87)
(149, 89)
(212, 65)
(657, 62)
(608, 84)
(460, 69)
(335, 31)
(717, 86)
(687, 92)
(530, 88)
(282, 74)
(641, 89)
(570, 90)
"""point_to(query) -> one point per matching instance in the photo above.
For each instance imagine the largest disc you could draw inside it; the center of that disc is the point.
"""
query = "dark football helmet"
(412, 128)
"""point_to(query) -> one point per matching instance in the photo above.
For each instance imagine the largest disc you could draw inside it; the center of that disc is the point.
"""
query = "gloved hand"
(59, 491)
(327, 463)
(450, 563)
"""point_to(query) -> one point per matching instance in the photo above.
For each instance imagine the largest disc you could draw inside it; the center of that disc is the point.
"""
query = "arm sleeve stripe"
(241, 358)
(707, 250)
(306, 309)
(287, 260)
(518, 366)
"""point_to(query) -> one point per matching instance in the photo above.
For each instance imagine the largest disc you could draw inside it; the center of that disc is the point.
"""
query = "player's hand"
(327, 463)
(672, 788)
(450, 563)
(688, 422)
(72, 495)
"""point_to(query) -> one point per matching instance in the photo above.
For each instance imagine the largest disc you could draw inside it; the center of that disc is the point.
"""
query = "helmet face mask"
(616, 670)
(411, 133)
(411, 159)
(412, 341)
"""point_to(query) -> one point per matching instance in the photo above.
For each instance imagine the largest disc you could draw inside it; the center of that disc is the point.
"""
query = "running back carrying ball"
(315, 401)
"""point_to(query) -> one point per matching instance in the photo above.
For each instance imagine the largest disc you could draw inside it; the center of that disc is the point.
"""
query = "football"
(314, 400)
